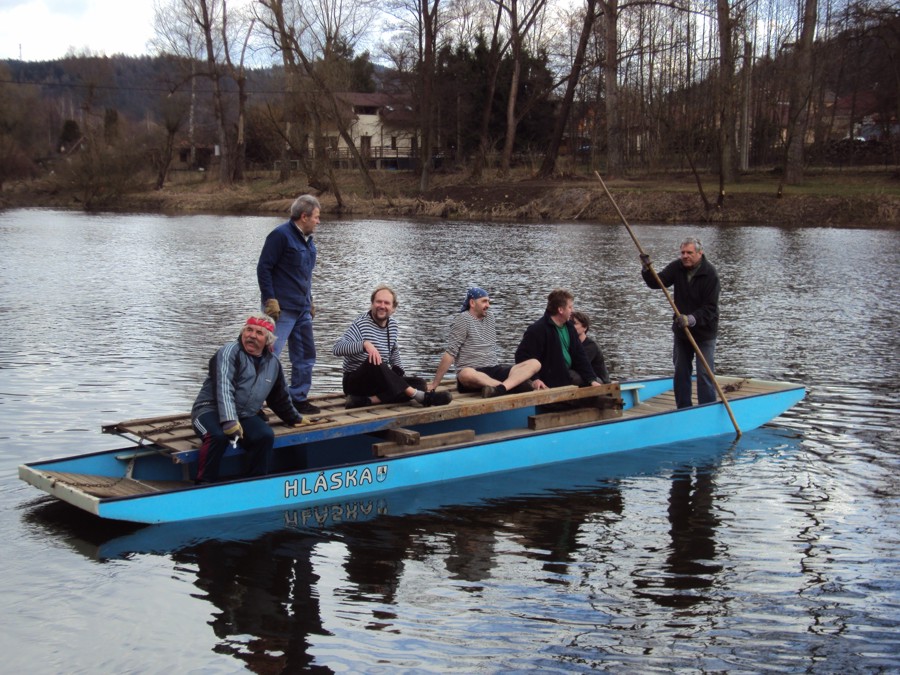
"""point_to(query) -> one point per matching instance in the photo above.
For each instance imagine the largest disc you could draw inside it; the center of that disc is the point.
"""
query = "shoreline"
(863, 199)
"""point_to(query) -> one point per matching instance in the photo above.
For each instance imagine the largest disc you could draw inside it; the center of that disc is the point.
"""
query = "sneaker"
(437, 397)
(304, 407)
(523, 388)
(490, 392)
(354, 401)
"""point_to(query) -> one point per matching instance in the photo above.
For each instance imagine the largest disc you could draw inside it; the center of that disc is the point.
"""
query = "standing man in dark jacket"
(696, 291)
(243, 375)
(552, 340)
(284, 272)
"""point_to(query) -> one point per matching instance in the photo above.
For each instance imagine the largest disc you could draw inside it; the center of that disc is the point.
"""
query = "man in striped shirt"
(373, 372)
(472, 346)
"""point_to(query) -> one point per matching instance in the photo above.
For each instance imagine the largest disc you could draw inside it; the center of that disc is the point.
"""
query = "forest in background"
(627, 88)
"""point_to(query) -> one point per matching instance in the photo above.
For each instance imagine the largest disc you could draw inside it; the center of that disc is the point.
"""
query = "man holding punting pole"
(696, 291)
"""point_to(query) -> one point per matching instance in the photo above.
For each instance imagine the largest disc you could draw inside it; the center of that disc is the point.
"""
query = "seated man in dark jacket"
(243, 375)
(552, 340)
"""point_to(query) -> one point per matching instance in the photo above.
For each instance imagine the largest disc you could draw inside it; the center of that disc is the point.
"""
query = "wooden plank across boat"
(341, 453)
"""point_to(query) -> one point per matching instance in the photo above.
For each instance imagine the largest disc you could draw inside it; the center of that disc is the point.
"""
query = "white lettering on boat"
(334, 481)
(291, 488)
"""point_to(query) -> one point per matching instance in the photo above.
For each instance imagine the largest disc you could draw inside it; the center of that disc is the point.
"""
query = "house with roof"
(383, 128)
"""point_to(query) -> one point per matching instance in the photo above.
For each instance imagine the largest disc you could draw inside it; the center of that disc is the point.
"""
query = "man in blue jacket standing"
(284, 272)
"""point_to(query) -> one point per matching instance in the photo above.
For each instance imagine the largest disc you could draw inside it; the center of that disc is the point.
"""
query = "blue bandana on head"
(474, 294)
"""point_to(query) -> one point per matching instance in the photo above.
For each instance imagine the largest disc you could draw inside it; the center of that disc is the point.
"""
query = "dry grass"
(858, 198)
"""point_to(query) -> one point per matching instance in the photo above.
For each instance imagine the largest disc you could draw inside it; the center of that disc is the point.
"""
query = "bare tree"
(498, 47)
(726, 103)
(522, 16)
(587, 27)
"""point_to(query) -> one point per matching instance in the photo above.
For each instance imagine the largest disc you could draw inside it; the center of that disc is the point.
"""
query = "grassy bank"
(837, 198)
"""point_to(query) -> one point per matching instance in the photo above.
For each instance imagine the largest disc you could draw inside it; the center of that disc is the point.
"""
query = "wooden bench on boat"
(558, 407)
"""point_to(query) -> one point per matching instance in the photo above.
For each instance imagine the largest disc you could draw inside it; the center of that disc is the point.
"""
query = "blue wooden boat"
(348, 454)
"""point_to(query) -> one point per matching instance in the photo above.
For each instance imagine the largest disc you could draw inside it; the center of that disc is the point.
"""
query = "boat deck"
(175, 434)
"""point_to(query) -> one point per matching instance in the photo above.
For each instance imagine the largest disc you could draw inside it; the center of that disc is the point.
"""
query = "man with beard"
(472, 347)
(373, 371)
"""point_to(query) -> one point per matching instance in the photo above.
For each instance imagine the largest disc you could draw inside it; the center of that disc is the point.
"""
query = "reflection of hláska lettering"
(333, 514)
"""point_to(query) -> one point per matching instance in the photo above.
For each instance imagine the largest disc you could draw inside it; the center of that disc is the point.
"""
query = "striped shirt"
(473, 342)
(363, 329)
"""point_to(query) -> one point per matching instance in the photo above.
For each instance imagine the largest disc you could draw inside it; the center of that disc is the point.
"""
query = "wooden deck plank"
(104, 486)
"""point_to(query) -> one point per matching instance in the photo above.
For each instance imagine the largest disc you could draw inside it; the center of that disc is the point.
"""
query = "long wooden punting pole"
(687, 331)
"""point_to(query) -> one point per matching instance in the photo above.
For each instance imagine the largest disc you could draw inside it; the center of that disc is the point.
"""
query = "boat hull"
(357, 478)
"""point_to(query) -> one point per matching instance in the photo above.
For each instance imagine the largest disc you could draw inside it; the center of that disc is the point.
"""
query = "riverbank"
(834, 198)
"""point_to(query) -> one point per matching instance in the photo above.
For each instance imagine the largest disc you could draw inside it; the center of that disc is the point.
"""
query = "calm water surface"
(778, 553)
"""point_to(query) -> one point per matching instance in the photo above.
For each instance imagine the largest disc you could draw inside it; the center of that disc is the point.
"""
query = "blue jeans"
(257, 442)
(296, 329)
(683, 357)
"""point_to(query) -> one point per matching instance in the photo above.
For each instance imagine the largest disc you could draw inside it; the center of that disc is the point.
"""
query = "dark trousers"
(381, 381)
(683, 357)
(257, 442)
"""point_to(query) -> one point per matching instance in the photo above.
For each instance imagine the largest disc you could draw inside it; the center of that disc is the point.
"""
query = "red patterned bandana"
(268, 325)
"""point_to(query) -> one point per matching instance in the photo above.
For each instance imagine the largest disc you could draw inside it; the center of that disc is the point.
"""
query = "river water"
(777, 553)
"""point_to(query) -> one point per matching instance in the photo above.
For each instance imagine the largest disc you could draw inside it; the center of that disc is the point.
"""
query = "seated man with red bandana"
(243, 376)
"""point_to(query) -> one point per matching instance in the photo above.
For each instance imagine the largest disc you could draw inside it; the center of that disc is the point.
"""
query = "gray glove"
(685, 320)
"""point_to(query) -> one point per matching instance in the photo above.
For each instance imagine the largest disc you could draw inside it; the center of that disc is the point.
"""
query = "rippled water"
(778, 553)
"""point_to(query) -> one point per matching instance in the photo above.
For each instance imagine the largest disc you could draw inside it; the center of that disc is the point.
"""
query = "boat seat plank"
(400, 436)
(390, 449)
(551, 420)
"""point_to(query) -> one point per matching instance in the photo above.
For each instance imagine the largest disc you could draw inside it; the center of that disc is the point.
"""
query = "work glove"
(685, 320)
(233, 428)
(273, 309)
(645, 260)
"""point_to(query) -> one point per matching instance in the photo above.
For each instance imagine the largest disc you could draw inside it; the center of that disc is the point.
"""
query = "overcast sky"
(44, 30)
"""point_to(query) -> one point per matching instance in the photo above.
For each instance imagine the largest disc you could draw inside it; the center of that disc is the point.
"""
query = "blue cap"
(474, 293)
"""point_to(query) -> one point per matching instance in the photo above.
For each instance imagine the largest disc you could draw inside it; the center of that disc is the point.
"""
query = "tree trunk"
(511, 121)
(727, 115)
(428, 14)
(614, 152)
(494, 58)
(801, 90)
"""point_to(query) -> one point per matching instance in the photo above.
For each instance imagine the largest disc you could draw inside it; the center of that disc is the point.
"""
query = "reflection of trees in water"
(266, 594)
(689, 567)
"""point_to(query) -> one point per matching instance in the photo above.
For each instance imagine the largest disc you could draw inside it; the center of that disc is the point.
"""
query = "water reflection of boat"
(588, 486)
(356, 457)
